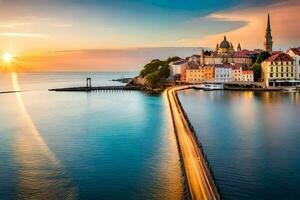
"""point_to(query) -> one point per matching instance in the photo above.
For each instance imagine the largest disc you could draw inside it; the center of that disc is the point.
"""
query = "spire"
(269, 23)
(225, 37)
(217, 47)
(268, 37)
(239, 48)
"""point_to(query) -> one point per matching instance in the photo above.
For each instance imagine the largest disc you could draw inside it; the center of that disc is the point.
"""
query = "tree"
(157, 71)
(262, 56)
(256, 67)
(154, 80)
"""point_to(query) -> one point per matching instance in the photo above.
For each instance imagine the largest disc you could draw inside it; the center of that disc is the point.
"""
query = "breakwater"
(199, 176)
(89, 89)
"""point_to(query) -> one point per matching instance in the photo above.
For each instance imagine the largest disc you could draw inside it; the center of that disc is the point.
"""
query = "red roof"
(296, 50)
(247, 72)
(193, 65)
(236, 66)
(279, 57)
(223, 66)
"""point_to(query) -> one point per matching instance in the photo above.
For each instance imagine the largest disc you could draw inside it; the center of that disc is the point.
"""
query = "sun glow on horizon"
(7, 57)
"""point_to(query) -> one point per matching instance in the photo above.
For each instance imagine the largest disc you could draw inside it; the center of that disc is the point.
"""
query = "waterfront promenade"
(199, 179)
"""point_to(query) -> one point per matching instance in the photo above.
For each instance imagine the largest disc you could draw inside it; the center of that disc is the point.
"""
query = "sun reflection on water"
(41, 175)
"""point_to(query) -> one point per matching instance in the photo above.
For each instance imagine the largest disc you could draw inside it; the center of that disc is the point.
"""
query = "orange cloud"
(285, 25)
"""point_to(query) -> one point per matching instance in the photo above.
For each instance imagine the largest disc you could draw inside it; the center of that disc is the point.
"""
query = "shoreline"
(200, 182)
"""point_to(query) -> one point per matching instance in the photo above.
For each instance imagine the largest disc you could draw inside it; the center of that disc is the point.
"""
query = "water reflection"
(41, 175)
(251, 139)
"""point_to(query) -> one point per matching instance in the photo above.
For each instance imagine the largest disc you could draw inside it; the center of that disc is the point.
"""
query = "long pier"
(199, 176)
(89, 89)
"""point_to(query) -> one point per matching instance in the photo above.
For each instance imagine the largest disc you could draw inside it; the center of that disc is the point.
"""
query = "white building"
(177, 69)
(295, 54)
(223, 73)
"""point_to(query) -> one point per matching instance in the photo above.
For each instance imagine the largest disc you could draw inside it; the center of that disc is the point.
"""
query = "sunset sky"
(121, 35)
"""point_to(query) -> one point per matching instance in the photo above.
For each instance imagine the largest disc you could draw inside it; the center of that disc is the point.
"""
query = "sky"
(122, 35)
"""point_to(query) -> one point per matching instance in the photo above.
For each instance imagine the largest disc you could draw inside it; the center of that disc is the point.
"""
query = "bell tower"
(268, 37)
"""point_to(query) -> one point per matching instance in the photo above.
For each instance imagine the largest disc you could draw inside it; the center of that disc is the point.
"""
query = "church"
(226, 54)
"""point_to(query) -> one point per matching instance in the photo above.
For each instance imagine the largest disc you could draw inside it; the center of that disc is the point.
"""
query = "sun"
(7, 57)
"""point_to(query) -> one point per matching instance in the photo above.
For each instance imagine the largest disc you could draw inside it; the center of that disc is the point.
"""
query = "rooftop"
(279, 57)
(296, 51)
(247, 72)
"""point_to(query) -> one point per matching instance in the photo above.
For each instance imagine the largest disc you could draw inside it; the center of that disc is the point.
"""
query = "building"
(177, 70)
(247, 76)
(194, 58)
(295, 54)
(200, 74)
(237, 72)
(223, 73)
(225, 54)
(268, 44)
(279, 71)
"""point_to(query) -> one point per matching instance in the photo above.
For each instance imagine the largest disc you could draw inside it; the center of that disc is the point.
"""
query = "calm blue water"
(99, 145)
(252, 140)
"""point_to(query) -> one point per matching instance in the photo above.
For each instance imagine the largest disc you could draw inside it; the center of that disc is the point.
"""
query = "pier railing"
(200, 146)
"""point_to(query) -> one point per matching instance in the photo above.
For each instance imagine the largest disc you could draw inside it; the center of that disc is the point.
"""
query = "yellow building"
(200, 74)
(279, 71)
(237, 73)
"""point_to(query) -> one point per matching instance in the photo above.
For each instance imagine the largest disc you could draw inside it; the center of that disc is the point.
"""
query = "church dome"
(225, 44)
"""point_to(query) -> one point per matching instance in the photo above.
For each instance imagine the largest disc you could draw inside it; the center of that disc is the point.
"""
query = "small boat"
(289, 89)
(213, 86)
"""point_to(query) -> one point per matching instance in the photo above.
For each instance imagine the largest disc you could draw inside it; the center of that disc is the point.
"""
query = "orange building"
(200, 74)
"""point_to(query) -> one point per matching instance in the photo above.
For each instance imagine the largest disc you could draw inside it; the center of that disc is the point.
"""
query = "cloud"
(15, 34)
(285, 26)
(97, 59)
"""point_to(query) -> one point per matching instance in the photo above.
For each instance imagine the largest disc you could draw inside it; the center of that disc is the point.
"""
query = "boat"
(289, 89)
(199, 86)
(213, 86)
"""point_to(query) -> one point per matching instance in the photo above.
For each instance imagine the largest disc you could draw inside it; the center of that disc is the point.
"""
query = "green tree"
(262, 56)
(157, 71)
(154, 79)
(256, 67)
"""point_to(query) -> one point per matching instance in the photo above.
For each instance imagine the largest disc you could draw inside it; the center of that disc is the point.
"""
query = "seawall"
(199, 177)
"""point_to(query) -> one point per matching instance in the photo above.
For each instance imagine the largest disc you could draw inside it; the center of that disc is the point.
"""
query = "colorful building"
(223, 73)
(177, 70)
(199, 74)
(279, 71)
(225, 54)
(247, 76)
(237, 72)
(295, 54)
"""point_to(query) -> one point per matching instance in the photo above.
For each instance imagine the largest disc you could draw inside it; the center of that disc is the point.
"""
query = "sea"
(251, 139)
(97, 145)
(121, 144)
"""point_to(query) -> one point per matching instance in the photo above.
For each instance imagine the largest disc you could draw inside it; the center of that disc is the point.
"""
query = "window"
(281, 74)
(281, 69)
(292, 74)
(277, 75)
(276, 69)
(271, 69)
(291, 68)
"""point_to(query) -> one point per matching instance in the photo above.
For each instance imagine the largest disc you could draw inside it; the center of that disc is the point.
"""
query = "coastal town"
(227, 65)
(235, 67)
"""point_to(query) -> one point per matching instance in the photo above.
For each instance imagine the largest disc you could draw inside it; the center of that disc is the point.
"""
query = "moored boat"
(213, 86)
